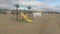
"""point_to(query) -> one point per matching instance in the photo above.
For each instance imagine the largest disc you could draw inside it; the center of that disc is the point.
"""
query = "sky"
(35, 4)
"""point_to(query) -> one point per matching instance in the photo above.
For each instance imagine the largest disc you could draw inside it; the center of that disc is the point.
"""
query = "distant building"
(37, 14)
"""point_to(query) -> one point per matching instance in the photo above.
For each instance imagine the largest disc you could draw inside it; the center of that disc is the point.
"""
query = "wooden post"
(17, 13)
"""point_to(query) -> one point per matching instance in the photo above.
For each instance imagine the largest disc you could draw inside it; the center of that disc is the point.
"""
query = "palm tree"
(17, 6)
(29, 7)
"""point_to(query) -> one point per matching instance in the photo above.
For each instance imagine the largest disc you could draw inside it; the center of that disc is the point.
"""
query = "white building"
(37, 14)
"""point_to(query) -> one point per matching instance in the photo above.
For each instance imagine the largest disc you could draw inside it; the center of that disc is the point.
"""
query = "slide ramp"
(25, 17)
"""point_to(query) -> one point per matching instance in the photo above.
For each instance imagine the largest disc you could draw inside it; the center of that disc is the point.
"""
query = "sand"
(46, 24)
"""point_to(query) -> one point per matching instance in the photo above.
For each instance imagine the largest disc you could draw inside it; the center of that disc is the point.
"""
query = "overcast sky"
(36, 4)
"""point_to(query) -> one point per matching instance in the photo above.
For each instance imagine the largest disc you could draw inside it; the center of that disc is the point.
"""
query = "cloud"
(37, 5)
(28, 0)
(5, 3)
(6, 6)
(48, 1)
(32, 3)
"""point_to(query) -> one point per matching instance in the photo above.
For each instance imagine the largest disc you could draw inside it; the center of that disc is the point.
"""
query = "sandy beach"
(46, 24)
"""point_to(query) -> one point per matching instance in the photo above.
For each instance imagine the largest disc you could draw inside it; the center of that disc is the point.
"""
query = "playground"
(26, 16)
